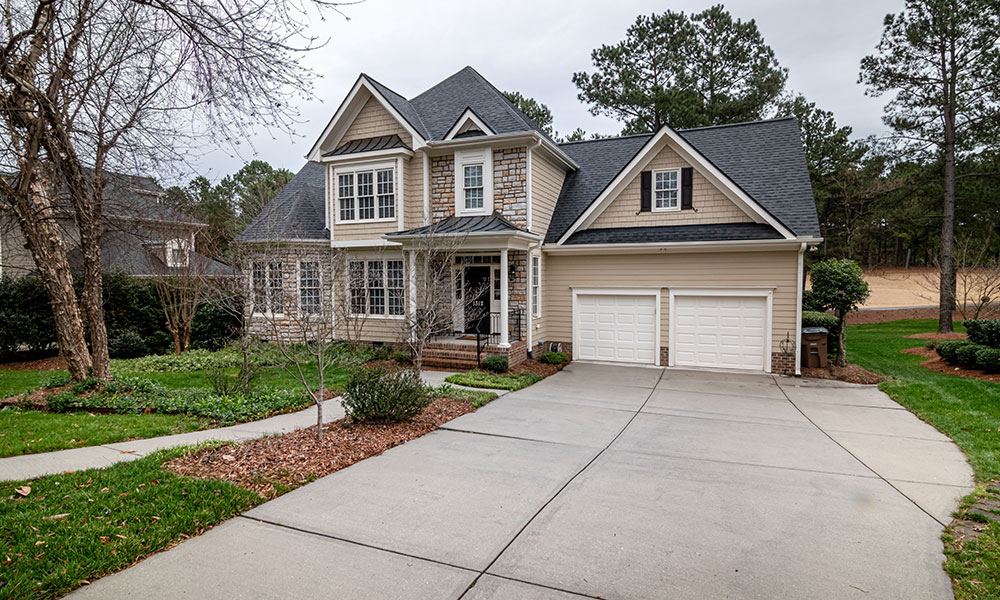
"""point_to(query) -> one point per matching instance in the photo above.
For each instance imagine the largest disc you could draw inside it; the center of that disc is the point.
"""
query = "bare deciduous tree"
(120, 84)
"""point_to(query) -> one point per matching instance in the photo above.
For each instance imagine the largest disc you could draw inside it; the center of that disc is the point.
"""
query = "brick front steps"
(462, 357)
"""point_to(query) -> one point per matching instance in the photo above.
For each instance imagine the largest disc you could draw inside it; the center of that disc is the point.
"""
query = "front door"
(477, 299)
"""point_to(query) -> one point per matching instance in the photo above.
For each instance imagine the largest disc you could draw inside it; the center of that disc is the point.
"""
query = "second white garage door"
(719, 331)
(615, 327)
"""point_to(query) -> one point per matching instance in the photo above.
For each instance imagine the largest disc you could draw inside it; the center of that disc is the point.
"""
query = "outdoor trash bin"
(814, 347)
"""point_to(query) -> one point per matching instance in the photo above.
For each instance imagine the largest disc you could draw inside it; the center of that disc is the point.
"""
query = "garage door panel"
(719, 331)
(616, 327)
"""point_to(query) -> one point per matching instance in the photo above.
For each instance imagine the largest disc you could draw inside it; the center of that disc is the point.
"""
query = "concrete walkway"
(47, 463)
(608, 482)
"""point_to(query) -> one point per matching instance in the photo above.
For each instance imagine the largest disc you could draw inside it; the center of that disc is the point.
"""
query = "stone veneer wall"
(442, 187)
(518, 283)
(286, 326)
(510, 184)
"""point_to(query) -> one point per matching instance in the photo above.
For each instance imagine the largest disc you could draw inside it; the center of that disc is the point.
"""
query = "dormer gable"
(468, 125)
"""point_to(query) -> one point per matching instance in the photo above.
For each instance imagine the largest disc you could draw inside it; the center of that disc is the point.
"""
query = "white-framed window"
(375, 287)
(536, 285)
(366, 194)
(268, 296)
(309, 298)
(474, 182)
(666, 189)
(177, 253)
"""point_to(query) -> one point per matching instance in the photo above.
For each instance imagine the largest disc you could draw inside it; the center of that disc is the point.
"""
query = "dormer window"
(474, 182)
(177, 253)
(666, 189)
(366, 194)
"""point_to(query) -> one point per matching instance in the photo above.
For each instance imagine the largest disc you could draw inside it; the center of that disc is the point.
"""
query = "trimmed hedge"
(985, 332)
(812, 318)
(988, 359)
(962, 353)
(553, 358)
(496, 363)
(382, 395)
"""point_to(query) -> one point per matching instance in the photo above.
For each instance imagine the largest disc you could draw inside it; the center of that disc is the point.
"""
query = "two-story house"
(680, 247)
(141, 235)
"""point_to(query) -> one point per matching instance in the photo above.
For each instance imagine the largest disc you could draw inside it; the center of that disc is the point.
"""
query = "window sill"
(366, 221)
(666, 210)
(379, 317)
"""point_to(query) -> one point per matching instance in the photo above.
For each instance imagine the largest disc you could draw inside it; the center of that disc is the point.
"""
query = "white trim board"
(690, 155)
(469, 116)
(758, 292)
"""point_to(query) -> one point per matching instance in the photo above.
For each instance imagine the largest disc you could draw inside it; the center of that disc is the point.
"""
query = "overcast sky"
(534, 46)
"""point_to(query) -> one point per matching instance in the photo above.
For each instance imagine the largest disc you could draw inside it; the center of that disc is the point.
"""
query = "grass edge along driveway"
(966, 410)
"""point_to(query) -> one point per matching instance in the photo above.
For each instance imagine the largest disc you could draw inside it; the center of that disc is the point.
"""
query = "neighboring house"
(680, 248)
(142, 236)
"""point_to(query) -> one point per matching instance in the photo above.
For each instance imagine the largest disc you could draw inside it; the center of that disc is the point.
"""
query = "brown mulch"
(35, 399)
(538, 368)
(882, 316)
(850, 374)
(936, 363)
(934, 335)
(271, 466)
(54, 363)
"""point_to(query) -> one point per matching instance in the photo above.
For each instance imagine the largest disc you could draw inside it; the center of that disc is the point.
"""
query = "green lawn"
(74, 527)
(29, 431)
(275, 377)
(494, 381)
(18, 382)
(966, 410)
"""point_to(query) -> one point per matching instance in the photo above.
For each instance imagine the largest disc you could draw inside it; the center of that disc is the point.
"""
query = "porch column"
(411, 296)
(504, 301)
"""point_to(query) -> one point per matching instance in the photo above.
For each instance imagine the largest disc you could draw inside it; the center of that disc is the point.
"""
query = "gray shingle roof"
(434, 112)
(676, 233)
(382, 142)
(480, 224)
(126, 252)
(764, 158)
(296, 213)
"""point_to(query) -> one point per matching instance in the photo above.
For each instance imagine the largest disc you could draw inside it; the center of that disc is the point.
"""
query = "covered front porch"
(485, 261)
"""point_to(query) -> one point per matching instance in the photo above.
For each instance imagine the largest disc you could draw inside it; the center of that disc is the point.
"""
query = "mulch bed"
(538, 368)
(36, 398)
(54, 363)
(934, 335)
(936, 363)
(850, 374)
(271, 466)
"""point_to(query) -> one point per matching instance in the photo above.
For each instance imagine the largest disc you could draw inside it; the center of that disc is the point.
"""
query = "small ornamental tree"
(839, 284)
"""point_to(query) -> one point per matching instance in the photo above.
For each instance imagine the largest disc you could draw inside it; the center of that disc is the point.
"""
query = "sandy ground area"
(898, 287)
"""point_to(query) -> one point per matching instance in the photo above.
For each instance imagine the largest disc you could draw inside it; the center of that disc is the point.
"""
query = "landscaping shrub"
(82, 387)
(949, 350)
(195, 360)
(553, 358)
(58, 403)
(214, 327)
(382, 395)
(125, 343)
(811, 302)
(813, 318)
(56, 380)
(25, 315)
(985, 332)
(402, 357)
(988, 359)
(496, 363)
(965, 356)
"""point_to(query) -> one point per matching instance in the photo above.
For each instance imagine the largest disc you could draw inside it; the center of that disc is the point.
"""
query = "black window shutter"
(686, 174)
(646, 191)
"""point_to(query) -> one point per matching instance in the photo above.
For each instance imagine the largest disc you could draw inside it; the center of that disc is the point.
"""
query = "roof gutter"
(665, 247)
(526, 136)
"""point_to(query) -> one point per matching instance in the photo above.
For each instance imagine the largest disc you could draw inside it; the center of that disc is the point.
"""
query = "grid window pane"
(394, 285)
(345, 191)
(386, 196)
(666, 189)
(535, 285)
(496, 284)
(274, 288)
(259, 287)
(366, 196)
(309, 287)
(376, 288)
(356, 284)
(473, 186)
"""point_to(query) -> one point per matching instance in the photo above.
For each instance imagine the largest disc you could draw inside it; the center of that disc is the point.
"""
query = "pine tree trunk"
(947, 289)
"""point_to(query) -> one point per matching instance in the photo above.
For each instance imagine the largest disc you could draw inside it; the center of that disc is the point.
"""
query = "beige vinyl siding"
(546, 183)
(413, 196)
(709, 204)
(677, 270)
(374, 120)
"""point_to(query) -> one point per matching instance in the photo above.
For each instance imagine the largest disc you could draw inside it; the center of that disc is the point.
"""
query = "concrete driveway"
(611, 482)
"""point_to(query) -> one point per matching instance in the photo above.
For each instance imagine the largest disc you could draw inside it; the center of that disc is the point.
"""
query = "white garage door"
(719, 331)
(618, 328)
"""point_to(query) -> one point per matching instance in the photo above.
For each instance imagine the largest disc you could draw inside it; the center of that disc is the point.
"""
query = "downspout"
(798, 312)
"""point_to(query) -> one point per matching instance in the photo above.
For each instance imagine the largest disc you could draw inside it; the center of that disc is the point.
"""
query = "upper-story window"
(366, 194)
(473, 182)
(666, 189)
(177, 253)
